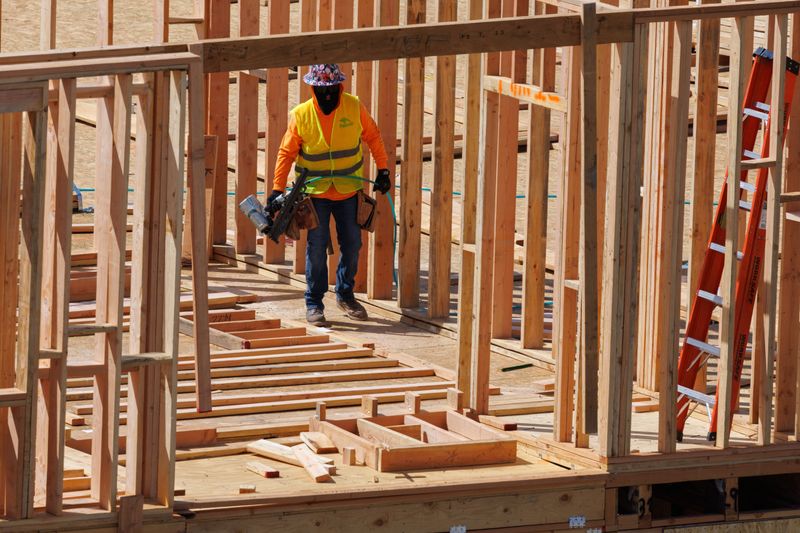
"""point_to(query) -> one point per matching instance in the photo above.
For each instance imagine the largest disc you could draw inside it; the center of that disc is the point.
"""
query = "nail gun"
(273, 219)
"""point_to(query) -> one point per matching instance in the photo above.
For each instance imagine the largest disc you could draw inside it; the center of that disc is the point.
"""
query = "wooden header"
(28, 97)
(366, 44)
(715, 11)
(423, 40)
(103, 66)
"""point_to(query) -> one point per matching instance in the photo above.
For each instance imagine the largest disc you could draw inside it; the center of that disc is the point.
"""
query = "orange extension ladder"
(696, 349)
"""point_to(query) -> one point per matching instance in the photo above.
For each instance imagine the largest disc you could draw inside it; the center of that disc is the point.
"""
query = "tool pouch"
(305, 218)
(365, 215)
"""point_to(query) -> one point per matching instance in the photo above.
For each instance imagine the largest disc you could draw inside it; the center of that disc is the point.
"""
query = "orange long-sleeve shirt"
(292, 141)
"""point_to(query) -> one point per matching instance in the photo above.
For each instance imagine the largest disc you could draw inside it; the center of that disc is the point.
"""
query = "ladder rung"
(749, 154)
(713, 298)
(762, 162)
(749, 187)
(762, 106)
(721, 249)
(760, 115)
(747, 206)
(699, 397)
(83, 330)
(703, 346)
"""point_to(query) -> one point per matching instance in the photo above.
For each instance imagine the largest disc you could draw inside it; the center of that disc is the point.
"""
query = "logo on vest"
(345, 122)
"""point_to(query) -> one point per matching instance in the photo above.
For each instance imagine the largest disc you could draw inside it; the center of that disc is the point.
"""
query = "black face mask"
(327, 97)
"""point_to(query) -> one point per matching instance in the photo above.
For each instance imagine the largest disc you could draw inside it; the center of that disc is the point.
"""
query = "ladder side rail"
(751, 270)
(713, 262)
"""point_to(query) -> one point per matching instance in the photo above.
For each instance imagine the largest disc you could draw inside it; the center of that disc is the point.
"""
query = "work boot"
(316, 317)
(352, 309)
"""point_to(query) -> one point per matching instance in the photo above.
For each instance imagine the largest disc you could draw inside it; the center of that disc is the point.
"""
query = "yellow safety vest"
(342, 158)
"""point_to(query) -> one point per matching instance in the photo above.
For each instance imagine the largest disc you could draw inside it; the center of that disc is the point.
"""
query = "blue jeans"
(349, 235)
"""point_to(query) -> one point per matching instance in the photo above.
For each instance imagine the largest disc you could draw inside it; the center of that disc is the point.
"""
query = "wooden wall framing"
(648, 115)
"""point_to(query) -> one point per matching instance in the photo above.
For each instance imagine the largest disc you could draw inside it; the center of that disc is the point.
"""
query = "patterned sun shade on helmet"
(324, 75)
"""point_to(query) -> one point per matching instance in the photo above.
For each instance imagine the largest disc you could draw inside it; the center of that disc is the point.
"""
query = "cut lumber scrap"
(262, 470)
(314, 376)
(645, 407)
(498, 423)
(274, 407)
(262, 431)
(217, 299)
(271, 333)
(309, 461)
(77, 483)
(349, 456)
(544, 385)
(216, 337)
(425, 456)
(205, 452)
(224, 315)
(257, 359)
(318, 442)
(279, 452)
(522, 408)
(246, 325)
(286, 341)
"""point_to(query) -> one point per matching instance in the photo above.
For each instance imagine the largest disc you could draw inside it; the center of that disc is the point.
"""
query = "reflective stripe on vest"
(343, 157)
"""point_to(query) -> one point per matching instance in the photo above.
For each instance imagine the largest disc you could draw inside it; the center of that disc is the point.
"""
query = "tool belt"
(365, 214)
(305, 218)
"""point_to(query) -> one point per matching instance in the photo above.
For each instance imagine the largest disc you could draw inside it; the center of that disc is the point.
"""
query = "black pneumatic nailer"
(273, 220)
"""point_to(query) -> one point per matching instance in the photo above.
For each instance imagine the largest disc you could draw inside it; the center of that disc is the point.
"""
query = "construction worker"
(325, 136)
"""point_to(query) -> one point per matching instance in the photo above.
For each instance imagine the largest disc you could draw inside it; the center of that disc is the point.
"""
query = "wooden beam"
(535, 262)
(219, 26)
(147, 295)
(277, 106)
(400, 41)
(668, 280)
(383, 436)
(408, 260)
(110, 211)
(787, 414)
(441, 220)
(777, 133)
(12, 438)
(172, 276)
(704, 131)
(201, 233)
(434, 434)
(505, 185)
(384, 99)
(365, 18)
(469, 206)
(565, 298)
(55, 300)
(739, 63)
(621, 245)
(246, 134)
(587, 263)
(484, 240)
